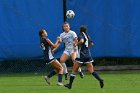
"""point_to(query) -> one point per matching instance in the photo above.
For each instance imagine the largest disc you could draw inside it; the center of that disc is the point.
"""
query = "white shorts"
(69, 52)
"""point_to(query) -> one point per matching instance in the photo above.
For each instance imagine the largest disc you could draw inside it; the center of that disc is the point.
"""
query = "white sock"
(79, 69)
(65, 68)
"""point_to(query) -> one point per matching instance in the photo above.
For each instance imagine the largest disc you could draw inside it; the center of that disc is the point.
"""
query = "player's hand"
(74, 45)
(91, 43)
(58, 38)
(52, 52)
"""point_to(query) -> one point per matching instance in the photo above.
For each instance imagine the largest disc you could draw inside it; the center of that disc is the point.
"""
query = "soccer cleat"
(68, 86)
(59, 84)
(66, 76)
(102, 84)
(47, 79)
(81, 74)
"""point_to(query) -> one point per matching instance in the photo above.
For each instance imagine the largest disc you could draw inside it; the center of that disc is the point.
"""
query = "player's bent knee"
(62, 61)
(90, 71)
(60, 69)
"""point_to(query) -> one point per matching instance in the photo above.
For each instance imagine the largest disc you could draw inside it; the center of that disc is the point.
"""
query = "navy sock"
(52, 73)
(95, 74)
(72, 77)
(59, 77)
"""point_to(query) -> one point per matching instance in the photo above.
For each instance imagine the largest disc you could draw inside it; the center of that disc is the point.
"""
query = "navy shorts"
(84, 60)
(48, 61)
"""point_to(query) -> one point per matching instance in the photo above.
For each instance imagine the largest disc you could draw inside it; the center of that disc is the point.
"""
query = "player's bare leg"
(63, 59)
(58, 69)
(73, 75)
(79, 69)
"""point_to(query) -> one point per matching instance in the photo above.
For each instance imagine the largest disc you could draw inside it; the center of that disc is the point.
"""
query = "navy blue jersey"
(47, 51)
(84, 55)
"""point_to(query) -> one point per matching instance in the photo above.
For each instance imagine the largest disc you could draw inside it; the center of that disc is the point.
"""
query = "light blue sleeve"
(61, 39)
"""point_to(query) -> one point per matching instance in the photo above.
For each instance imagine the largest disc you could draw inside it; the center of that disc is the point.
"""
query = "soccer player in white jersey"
(68, 37)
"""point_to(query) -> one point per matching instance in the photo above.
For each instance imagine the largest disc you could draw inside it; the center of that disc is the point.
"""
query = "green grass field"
(115, 82)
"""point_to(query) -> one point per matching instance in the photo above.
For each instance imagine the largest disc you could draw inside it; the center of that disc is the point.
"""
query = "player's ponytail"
(83, 29)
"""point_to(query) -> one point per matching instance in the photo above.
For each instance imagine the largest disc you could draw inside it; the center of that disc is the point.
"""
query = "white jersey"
(68, 39)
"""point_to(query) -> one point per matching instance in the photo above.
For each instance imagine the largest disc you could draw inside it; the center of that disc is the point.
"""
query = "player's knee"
(90, 71)
(62, 61)
(73, 60)
(60, 69)
(56, 70)
(74, 70)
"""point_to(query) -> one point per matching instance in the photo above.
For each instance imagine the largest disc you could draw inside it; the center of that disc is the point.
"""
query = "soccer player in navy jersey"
(84, 57)
(47, 47)
(68, 37)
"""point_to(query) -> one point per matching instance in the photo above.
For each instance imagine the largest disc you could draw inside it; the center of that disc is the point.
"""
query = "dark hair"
(66, 23)
(40, 32)
(83, 29)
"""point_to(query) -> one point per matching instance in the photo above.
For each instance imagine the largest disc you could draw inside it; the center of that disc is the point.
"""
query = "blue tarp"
(20, 21)
(114, 25)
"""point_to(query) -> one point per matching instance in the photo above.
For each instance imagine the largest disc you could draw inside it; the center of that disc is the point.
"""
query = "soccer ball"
(70, 14)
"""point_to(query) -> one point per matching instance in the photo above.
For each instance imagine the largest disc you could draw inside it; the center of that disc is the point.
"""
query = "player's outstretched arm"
(52, 45)
(57, 44)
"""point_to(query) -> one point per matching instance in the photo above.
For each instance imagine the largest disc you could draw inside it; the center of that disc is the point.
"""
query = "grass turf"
(115, 82)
